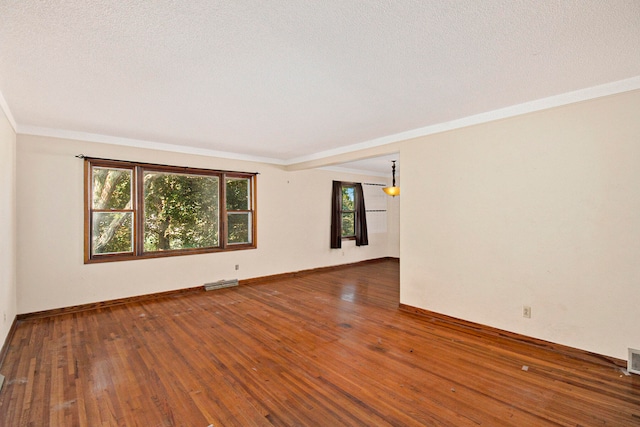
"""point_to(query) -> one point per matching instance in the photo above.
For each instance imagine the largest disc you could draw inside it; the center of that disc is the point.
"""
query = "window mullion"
(138, 207)
(222, 208)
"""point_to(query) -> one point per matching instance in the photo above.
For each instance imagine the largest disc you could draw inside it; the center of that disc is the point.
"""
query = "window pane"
(112, 232)
(237, 194)
(180, 211)
(348, 224)
(111, 188)
(348, 198)
(239, 228)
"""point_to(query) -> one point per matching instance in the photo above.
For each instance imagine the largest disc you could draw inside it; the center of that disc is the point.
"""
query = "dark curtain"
(362, 237)
(336, 215)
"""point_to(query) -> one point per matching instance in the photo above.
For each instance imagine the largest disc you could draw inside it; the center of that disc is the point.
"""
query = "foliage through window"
(348, 210)
(180, 211)
(137, 210)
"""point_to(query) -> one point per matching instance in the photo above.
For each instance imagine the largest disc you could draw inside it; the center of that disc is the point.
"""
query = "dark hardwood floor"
(329, 348)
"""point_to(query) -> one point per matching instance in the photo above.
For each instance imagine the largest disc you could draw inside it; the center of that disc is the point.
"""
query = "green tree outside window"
(138, 210)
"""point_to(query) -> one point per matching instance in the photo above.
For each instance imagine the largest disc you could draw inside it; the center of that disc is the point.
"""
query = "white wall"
(540, 210)
(8, 301)
(293, 228)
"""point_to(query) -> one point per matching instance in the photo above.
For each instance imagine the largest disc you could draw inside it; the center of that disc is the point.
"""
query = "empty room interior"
(377, 213)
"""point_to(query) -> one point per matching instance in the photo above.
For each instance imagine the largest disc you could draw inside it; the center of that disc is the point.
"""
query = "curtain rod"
(369, 183)
(82, 156)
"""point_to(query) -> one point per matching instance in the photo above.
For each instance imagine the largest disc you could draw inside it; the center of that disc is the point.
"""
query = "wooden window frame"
(137, 190)
(251, 203)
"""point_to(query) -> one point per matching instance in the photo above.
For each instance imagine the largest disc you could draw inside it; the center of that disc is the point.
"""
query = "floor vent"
(633, 365)
(1, 381)
(220, 284)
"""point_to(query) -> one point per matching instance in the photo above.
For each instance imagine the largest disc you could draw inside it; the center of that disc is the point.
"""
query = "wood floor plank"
(323, 349)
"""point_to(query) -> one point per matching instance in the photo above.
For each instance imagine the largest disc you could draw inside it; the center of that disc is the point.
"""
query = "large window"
(137, 210)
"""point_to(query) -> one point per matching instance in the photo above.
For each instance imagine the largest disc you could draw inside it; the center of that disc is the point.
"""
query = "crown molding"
(593, 92)
(587, 94)
(138, 143)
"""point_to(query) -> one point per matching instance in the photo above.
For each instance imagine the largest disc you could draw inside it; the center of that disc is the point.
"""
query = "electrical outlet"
(237, 266)
(526, 311)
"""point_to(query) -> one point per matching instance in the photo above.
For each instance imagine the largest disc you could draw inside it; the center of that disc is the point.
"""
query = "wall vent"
(633, 365)
(220, 284)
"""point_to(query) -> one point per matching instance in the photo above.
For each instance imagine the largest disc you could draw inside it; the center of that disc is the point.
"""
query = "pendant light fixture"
(392, 191)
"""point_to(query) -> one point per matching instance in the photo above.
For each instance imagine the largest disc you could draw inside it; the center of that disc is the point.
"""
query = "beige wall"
(8, 302)
(540, 210)
(293, 228)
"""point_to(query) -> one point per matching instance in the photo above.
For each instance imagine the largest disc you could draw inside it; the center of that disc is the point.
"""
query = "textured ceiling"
(288, 79)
